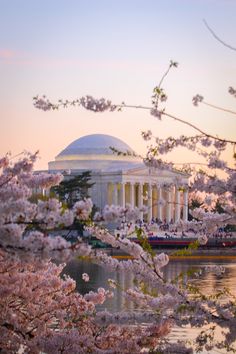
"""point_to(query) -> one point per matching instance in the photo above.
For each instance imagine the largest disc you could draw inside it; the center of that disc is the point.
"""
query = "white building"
(124, 179)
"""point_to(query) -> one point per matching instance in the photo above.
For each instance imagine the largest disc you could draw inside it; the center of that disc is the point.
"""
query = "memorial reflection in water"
(208, 282)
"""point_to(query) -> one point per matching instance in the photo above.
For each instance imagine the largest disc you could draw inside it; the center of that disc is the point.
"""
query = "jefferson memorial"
(122, 179)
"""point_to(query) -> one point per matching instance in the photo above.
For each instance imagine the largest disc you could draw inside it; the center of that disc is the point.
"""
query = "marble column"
(159, 206)
(149, 202)
(122, 190)
(168, 206)
(185, 206)
(140, 198)
(115, 194)
(104, 195)
(132, 186)
(177, 205)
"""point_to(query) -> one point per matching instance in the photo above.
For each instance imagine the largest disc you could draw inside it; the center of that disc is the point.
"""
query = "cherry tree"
(41, 310)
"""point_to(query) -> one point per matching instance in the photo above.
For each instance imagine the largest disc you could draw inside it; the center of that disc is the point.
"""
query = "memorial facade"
(124, 179)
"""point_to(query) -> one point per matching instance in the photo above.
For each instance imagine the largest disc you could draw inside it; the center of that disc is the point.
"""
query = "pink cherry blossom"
(85, 277)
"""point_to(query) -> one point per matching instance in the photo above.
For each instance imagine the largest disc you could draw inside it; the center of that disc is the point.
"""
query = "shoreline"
(208, 254)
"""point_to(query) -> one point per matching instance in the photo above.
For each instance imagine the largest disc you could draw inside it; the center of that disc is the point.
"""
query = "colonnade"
(164, 203)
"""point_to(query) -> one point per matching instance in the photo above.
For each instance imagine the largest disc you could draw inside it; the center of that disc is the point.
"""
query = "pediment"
(145, 171)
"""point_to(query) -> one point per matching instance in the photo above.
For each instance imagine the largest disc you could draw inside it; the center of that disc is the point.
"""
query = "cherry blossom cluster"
(155, 112)
(211, 221)
(232, 91)
(197, 99)
(219, 190)
(43, 103)
(35, 301)
(42, 180)
(216, 190)
(193, 143)
(156, 163)
(42, 312)
(200, 99)
(83, 208)
(87, 102)
(24, 225)
(117, 213)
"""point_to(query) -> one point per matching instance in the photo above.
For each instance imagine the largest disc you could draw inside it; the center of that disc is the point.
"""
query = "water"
(208, 283)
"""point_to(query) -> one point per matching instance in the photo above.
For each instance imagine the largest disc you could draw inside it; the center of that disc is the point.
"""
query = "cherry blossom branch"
(200, 99)
(102, 105)
(172, 64)
(183, 122)
(199, 130)
(6, 181)
(153, 266)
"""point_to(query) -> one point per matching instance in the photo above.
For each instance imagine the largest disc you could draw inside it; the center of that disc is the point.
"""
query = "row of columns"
(176, 200)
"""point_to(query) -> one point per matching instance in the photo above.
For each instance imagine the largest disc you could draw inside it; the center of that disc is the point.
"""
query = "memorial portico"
(163, 202)
(122, 180)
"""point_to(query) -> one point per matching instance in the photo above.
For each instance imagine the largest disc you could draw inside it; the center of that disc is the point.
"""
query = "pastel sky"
(113, 49)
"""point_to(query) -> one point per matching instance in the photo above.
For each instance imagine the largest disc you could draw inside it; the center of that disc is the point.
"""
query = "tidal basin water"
(208, 283)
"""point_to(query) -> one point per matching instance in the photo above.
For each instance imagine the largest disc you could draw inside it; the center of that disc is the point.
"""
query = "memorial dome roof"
(95, 144)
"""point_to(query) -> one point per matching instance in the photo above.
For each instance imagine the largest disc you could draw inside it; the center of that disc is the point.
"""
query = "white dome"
(93, 152)
(95, 144)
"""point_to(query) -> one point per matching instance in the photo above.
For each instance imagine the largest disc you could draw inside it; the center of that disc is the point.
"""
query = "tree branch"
(216, 37)
(219, 108)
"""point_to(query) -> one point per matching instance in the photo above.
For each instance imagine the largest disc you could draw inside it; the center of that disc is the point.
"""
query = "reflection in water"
(99, 278)
(207, 283)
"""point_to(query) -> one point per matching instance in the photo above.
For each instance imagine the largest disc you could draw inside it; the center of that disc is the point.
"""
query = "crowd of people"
(165, 229)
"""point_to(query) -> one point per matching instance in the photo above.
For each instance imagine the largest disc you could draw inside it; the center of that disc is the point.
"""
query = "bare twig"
(181, 121)
(219, 108)
(198, 129)
(216, 37)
